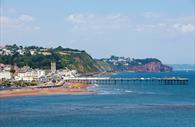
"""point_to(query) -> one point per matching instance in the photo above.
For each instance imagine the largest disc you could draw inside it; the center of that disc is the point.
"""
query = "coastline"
(69, 89)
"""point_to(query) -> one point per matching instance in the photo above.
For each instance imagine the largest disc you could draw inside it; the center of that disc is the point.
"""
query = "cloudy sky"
(163, 29)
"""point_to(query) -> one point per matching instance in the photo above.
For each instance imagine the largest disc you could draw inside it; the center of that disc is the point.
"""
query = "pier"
(107, 80)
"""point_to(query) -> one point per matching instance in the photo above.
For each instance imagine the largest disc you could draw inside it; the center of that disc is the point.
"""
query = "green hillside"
(38, 57)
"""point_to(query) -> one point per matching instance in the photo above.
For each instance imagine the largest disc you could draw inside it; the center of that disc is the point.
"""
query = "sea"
(127, 104)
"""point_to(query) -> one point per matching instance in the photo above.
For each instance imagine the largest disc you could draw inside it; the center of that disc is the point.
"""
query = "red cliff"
(151, 67)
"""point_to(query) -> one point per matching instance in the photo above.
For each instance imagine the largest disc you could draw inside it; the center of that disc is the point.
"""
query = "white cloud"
(80, 18)
(184, 27)
(95, 18)
(25, 18)
(97, 23)
(8, 22)
(19, 23)
(145, 27)
(102, 23)
(75, 18)
(162, 25)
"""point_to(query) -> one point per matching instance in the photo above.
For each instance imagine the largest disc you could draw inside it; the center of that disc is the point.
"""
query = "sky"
(163, 29)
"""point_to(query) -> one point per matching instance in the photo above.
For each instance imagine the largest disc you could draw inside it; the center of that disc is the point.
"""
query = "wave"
(128, 91)
(96, 85)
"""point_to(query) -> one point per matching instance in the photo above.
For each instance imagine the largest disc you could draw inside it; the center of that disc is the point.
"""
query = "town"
(26, 76)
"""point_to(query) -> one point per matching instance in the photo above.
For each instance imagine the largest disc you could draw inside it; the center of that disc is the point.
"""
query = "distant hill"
(136, 65)
(40, 57)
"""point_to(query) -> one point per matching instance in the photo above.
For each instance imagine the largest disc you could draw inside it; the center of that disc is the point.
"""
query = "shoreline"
(77, 88)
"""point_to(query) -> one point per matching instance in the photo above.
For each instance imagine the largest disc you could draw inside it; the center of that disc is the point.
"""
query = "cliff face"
(151, 67)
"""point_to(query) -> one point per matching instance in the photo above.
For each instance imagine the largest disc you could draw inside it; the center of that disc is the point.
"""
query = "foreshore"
(74, 88)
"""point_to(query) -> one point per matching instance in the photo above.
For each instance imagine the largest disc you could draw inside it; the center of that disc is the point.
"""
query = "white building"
(30, 75)
(7, 68)
(32, 52)
(7, 52)
(68, 73)
(5, 75)
(21, 52)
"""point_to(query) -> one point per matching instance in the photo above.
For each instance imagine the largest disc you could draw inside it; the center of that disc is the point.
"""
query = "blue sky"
(163, 29)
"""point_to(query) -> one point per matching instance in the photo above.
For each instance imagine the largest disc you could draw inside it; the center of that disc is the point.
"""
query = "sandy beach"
(76, 88)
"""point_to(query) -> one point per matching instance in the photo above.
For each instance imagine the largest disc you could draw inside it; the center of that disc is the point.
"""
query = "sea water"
(124, 104)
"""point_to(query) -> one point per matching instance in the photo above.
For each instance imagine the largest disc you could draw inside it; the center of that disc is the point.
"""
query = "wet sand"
(68, 89)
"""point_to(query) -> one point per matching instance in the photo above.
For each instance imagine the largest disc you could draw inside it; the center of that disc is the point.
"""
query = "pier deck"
(107, 80)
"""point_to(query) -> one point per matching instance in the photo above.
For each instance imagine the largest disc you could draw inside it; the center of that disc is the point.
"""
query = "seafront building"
(5, 75)
(67, 73)
(29, 75)
(25, 73)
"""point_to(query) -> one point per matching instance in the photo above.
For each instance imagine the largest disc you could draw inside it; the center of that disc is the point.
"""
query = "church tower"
(53, 67)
